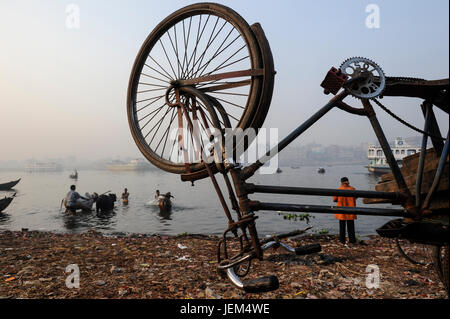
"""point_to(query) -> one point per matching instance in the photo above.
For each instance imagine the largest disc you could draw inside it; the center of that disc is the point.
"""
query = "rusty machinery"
(204, 70)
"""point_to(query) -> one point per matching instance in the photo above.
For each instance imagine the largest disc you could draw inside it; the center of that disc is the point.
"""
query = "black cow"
(105, 203)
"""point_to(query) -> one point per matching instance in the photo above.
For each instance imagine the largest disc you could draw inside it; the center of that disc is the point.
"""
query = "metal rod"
(386, 148)
(423, 150)
(267, 189)
(434, 130)
(437, 177)
(255, 205)
(250, 170)
(203, 156)
(235, 280)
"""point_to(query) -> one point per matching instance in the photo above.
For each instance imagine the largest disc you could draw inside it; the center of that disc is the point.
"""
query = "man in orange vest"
(346, 219)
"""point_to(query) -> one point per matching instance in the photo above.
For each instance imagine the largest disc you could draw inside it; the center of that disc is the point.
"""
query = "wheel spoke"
(149, 99)
(165, 81)
(167, 57)
(217, 53)
(157, 99)
(175, 50)
(207, 48)
(208, 45)
(221, 66)
(152, 90)
(159, 110)
(168, 77)
(199, 36)
(228, 102)
(186, 42)
(158, 123)
(204, 51)
(165, 133)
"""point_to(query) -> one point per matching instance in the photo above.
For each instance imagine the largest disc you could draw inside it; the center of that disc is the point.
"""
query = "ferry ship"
(133, 165)
(377, 159)
(35, 166)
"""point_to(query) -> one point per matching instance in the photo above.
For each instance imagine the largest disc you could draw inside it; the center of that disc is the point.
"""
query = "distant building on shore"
(38, 166)
(133, 165)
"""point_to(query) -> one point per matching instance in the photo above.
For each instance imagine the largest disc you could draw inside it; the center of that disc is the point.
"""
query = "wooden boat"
(5, 202)
(9, 185)
(74, 176)
(439, 201)
(81, 204)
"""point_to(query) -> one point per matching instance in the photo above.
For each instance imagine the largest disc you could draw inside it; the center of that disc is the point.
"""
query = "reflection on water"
(81, 220)
(165, 214)
(73, 222)
(4, 218)
(196, 209)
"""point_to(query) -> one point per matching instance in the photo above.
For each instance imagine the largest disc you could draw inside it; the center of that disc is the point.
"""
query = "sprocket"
(372, 82)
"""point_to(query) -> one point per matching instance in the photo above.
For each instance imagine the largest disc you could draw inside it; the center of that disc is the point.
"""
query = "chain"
(384, 108)
(403, 79)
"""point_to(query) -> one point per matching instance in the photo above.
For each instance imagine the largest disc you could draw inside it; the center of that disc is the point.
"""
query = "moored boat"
(4, 203)
(133, 165)
(81, 204)
(9, 185)
(39, 167)
(74, 176)
(377, 160)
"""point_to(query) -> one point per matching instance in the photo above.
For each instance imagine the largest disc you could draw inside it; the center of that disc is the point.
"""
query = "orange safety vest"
(345, 201)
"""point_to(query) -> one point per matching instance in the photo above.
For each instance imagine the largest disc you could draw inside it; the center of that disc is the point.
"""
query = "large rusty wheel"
(207, 47)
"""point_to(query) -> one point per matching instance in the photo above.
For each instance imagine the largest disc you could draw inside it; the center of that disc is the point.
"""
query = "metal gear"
(373, 82)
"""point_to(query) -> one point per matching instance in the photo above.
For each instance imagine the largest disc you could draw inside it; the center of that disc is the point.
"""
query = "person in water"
(168, 195)
(72, 197)
(157, 194)
(125, 195)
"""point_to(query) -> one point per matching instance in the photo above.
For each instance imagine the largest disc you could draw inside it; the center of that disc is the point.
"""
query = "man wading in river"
(346, 219)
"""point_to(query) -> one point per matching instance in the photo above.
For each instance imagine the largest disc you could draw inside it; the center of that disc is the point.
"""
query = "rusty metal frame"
(245, 207)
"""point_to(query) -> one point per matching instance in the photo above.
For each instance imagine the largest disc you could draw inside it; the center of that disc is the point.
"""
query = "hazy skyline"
(63, 91)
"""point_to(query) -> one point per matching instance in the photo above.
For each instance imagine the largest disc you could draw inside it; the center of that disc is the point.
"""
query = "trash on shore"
(150, 266)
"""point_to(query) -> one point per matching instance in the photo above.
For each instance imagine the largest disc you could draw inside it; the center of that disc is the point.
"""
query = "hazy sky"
(63, 91)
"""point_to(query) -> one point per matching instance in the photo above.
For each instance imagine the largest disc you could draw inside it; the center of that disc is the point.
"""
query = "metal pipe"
(437, 177)
(250, 170)
(252, 188)
(423, 150)
(255, 205)
(235, 280)
(436, 136)
(386, 148)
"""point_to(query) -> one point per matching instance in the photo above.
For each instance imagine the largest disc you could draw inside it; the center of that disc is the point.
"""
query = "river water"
(195, 209)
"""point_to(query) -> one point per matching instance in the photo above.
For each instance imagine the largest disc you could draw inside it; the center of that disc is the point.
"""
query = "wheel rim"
(200, 42)
(420, 255)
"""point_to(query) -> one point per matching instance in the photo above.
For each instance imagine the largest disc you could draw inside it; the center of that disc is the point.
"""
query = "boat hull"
(379, 170)
(4, 203)
(8, 186)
